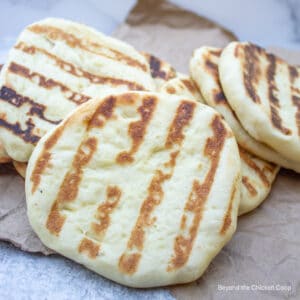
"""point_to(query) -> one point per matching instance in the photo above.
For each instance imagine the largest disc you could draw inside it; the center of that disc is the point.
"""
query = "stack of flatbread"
(132, 169)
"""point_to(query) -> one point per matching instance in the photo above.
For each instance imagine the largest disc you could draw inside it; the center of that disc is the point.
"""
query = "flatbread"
(55, 66)
(4, 158)
(204, 71)
(264, 92)
(257, 175)
(20, 167)
(161, 71)
(182, 85)
(132, 186)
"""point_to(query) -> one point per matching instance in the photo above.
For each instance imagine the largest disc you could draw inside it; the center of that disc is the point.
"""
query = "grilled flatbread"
(4, 158)
(161, 71)
(20, 167)
(182, 85)
(204, 71)
(264, 93)
(257, 175)
(55, 66)
(142, 188)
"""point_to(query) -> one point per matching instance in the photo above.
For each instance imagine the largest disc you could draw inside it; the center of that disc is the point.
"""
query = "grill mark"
(69, 188)
(247, 159)
(47, 83)
(216, 53)
(44, 159)
(274, 101)
(157, 71)
(171, 90)
(137, 130)
(113, 195)
(293, 73)
(190, 85)
(247, 184)
(53, 33)
(184, 114)
(78, 72)
(198, 197)
(251, 71)
(227, 219)
(219, 97)
(129, 260)
(89, 247)
(105, 109)
(26, 135)
(212, 68)
(12, 97)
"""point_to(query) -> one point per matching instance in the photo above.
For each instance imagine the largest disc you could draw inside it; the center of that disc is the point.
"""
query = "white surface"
(267, 22)
(25, 276)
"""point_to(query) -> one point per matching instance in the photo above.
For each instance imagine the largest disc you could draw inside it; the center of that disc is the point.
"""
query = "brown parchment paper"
(264, 253)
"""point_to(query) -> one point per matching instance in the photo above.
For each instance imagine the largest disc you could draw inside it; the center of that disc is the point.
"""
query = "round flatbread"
(142, 188)
(257, 174)
(161, 71)
(264, 93)
(55, 66)
(204, 71)
(20, 167)
(182, 85)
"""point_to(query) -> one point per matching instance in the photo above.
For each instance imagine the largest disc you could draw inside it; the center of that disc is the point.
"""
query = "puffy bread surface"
(204, 71)
(55, 66)
(182, 85)
(142, 188)
(264, 92)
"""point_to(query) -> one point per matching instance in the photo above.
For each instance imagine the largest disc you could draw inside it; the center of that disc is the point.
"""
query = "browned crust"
(104, 210)
(69, 188)
(12, 97)
(78, 72)
(53, 33)
(212, 68)
(88, 246)
(183, 116)
(103, 112)
(247, 184)
(47, 83)
(137, 129)
(171, 90)
(251, 69)
(43, 160)
(190, 85)
(195, 204)
(128, 262)
(227, 219)
(293, 72)
(250, 162)
(274, 101)
(156, 68)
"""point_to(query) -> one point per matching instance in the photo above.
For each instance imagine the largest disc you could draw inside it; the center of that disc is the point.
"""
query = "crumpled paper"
(262, 260)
